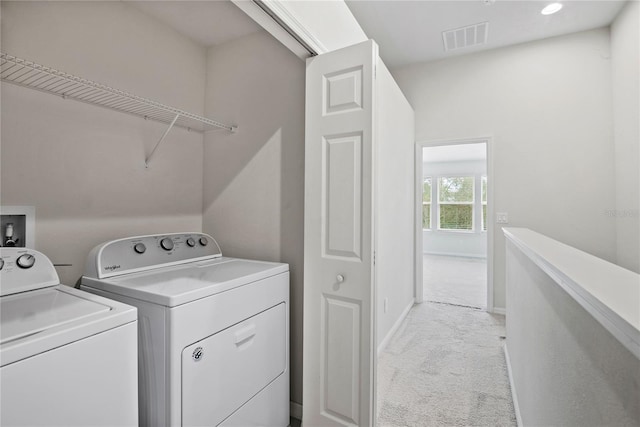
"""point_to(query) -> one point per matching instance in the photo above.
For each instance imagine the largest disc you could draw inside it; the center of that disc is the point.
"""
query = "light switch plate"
(502, 218)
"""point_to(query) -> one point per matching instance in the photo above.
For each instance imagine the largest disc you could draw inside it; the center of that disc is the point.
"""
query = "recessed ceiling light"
(551, 8)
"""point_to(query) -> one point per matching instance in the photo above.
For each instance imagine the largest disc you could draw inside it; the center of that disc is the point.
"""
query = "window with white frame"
(484, 202)
(426, 203)
(455, 202)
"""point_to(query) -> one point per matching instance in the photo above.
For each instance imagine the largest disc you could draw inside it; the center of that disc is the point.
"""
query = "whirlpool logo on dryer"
(112, 267)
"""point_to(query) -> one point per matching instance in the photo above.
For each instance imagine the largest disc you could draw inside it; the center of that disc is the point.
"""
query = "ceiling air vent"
(458, 38)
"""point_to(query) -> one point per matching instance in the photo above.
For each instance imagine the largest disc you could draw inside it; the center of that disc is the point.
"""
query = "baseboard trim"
(394, 328)
(514, 395)
(295, 410)
(499, 310)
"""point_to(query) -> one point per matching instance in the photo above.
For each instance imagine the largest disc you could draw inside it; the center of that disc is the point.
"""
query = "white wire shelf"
(28, 74)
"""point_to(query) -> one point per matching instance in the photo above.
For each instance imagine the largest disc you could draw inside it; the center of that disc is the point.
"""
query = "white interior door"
(339, 356)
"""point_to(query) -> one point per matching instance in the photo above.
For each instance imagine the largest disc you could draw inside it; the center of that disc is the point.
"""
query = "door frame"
(488, 140)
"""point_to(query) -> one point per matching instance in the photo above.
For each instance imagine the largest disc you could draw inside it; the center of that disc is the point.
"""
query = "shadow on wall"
(253, 202)
(259, 214)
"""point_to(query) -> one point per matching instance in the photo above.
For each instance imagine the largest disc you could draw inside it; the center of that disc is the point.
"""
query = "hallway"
(455, 280)
(445, 365)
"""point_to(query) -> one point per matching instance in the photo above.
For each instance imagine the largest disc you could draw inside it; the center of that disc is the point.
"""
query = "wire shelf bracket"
(35, 76)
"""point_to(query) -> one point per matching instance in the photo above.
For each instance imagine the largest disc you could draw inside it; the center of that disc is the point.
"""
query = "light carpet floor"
(456, 280)
(445, 367)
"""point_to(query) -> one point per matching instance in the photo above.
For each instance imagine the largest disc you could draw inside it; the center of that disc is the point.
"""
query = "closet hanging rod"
(35, 76)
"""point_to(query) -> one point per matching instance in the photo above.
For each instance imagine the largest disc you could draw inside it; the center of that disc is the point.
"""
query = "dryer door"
(222, 372)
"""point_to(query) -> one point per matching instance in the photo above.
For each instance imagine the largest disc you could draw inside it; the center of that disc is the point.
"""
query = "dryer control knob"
(204, 241)
(190, 242)
(166, 243)
(1, 263)
(26, 261)
(140, 248)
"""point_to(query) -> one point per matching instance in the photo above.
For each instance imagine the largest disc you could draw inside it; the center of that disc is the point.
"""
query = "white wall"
(625, 60)
(82, 166)
(547, 105)
(394, 217)
(253, 180)
(455, 243)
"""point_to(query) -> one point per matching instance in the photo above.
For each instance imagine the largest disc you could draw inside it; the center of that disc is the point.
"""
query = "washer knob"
(166, 243)
(140, 248)
(1, 263)
(190, 242)
(204, 241)
(26, 261)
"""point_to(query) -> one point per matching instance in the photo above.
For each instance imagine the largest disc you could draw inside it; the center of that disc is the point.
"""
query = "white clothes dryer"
(67, 357)
(213, 330)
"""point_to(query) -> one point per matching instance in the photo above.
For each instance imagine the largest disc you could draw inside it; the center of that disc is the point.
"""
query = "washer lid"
(36, 321)
(32, 312)
(172, 286)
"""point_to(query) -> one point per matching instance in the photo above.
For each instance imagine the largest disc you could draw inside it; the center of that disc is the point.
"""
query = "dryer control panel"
(142, 253)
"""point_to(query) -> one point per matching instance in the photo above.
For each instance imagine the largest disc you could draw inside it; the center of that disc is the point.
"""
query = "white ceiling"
(454, 153)
(411, 31)
(208, 22)
(406, 31)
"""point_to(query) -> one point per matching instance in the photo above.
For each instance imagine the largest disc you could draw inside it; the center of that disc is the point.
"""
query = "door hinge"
(374, 257)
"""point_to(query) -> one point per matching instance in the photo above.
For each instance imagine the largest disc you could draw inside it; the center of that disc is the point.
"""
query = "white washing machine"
(213, 331)
(67, 357)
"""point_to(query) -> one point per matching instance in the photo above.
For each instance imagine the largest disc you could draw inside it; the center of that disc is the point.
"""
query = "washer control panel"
(23, 269)
(147, 252)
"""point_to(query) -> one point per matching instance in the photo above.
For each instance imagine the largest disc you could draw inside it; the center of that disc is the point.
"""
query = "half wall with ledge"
(573, 334)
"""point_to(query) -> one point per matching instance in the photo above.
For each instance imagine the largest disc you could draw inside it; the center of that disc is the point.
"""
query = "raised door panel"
(342, 196)
(341, 364)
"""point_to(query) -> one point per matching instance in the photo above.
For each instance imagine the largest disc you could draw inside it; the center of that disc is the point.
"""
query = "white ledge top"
(610, 293)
